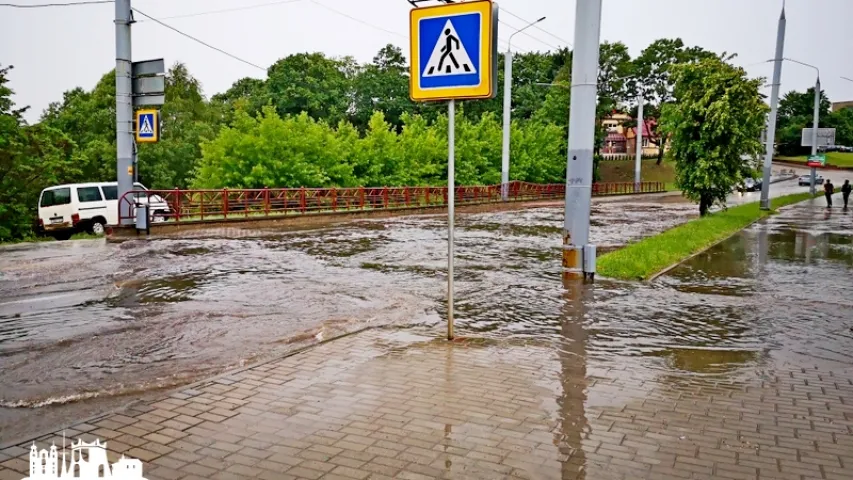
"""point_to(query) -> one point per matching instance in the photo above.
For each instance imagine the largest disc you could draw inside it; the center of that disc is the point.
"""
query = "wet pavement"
(737, 364)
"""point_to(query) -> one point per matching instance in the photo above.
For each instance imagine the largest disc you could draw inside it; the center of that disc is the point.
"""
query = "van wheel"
(98, 227)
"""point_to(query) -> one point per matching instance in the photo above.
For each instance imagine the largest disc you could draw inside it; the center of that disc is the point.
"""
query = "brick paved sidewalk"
(385, 404)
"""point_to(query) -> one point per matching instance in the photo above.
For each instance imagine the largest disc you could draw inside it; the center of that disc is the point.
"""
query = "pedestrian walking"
(828, 190)
(845, 192)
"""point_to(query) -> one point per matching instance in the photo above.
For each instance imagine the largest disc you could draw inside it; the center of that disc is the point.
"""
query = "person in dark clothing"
(828, 190)
(845, 192)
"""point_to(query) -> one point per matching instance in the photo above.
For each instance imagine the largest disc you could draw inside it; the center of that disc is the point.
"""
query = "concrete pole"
(451, 201)
(639, 138)
(124, 108)
(581, 139)
(815, 124)
(507, 113)
(774, 107)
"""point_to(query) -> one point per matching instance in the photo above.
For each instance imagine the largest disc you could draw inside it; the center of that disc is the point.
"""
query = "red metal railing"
(205, 205)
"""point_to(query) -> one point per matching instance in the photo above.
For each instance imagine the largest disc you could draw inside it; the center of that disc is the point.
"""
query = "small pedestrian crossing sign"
(454, 51)
(147, 126)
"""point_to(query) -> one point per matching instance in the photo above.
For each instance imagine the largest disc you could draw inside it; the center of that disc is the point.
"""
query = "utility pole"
(508, 110)
(124, 109)
(641, 124)
(774, 107)
(815, 123)
(578, 254)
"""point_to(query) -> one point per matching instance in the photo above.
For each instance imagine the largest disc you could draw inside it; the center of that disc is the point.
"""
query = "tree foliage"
(716, 118)
(30, 156)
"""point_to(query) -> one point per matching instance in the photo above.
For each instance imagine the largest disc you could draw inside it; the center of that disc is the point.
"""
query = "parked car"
(806, 180)
(88, 207)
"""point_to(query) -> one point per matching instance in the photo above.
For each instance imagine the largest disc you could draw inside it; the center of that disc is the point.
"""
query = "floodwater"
(86, 326)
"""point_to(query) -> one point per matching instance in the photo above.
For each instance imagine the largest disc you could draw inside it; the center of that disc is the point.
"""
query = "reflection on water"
(100, 320)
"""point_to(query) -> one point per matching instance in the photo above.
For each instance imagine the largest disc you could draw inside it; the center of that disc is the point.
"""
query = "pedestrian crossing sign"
(454, 51)
(147, 126)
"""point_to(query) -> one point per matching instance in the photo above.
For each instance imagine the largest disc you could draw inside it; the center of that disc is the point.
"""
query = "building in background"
(841, 105)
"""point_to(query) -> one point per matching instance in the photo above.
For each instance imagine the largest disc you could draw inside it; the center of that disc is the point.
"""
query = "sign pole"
(451, 127)
(816, 120)
(124, 108)
(507, 125)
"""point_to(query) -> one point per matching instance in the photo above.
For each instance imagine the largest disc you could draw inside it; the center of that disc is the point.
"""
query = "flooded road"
(86, 326)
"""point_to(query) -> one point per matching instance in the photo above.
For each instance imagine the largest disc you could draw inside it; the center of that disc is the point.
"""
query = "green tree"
(271, 151)
(187, 120)
(247, 94)
(382, 86)
(653, 73)
(717, 117)
(88, 119)
(31, 158)
(796, 112)
(311, 83)
(555, 108)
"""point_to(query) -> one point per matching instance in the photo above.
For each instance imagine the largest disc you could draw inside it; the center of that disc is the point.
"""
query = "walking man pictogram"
(448, 50)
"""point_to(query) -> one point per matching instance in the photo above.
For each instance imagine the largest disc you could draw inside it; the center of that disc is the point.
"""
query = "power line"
(48, 5)
(315, 2)
(225, 10)
(537, 27)
(531, 36)
(199, 41)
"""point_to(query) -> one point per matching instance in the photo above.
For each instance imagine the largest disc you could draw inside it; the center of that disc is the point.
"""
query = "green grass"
(36, 239)
(623, 171)
(645, 258)
(836, 159)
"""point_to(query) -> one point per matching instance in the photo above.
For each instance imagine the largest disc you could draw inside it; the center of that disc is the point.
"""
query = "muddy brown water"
(87, 326)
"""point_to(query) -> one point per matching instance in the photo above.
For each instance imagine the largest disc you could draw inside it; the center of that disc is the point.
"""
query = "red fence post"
(266, 201)
(177, 205)
(334, 199)
(302, 199)
(225, 203)
(407, 196)
(361, 197)
(426, 195)
(384, 197)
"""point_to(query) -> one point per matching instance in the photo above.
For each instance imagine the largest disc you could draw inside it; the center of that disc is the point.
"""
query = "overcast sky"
(56, 49)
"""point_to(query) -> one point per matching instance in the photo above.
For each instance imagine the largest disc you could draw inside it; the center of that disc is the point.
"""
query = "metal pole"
(451, 133)
(774, 107)
(124, 108)
(581, 138)
(507, 110)
(640, 127)
(815, 124)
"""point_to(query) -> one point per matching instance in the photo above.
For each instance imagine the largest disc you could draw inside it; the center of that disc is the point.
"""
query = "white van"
(90, 207)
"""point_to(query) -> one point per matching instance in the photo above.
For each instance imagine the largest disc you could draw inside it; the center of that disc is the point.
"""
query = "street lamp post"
(507, 110)
(774, 107)
(815, 121)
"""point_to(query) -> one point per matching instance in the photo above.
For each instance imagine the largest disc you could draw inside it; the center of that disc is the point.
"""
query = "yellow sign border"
(156, 126)
(487, 48)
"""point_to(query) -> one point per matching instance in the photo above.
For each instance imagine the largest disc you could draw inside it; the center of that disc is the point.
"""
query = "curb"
(674, 265)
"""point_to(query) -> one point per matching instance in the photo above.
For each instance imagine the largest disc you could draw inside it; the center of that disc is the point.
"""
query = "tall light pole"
(641, 124)
(578, 253)
(815, 121)
(774, 108)
(508, 108)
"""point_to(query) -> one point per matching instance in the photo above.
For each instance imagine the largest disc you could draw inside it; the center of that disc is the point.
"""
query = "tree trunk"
(660, 150)
(705, 203)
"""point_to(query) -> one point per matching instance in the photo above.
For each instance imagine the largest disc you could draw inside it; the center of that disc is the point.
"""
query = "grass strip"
(644, 258)
(837, 159)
